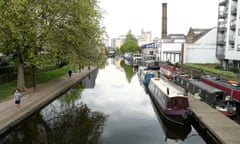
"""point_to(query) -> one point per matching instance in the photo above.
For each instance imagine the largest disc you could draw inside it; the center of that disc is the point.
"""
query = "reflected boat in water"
(171, 130)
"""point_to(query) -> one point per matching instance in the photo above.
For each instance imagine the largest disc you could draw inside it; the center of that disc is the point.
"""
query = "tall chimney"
(164, 20)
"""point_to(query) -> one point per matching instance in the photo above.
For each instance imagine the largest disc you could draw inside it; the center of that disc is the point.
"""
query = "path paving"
(32, 101)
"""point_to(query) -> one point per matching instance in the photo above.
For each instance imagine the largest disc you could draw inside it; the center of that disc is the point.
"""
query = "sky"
(124, 15)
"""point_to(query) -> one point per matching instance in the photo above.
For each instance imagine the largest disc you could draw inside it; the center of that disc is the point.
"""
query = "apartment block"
(228, 34)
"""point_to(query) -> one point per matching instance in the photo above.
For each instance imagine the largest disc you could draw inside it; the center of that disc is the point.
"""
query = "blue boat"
(145, 76)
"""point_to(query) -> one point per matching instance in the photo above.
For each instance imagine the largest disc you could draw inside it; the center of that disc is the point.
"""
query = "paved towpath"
(32, 101)
(215, 123)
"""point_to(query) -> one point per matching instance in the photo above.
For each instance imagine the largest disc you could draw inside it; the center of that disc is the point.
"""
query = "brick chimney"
(164, 20)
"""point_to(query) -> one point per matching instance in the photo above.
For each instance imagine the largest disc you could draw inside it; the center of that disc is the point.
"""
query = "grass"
(8, 89)
(209, 68)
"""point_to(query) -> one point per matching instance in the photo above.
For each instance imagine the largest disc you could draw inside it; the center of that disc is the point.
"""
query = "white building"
(170, 49)
(149, 48)
(228, 34)
(200, 46)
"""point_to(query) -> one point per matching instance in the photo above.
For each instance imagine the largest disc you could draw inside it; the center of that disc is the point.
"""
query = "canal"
(108, 107)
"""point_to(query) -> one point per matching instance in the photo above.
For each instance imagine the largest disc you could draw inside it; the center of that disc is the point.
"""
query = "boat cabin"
(207, 93)
(169, 97)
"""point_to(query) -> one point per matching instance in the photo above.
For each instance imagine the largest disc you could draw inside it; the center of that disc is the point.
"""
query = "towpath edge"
(33, 101)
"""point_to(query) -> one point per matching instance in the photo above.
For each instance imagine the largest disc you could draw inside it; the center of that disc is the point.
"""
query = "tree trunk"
(20, 74)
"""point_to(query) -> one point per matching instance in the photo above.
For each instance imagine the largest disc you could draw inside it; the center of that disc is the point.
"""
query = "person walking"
(70, 73)
(17, 97)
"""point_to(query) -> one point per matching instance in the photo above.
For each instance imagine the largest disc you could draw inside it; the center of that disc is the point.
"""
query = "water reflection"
(128, 70)
(172, 132)
(110, 110)
(89, 81)
(65, 120)
(131, 118)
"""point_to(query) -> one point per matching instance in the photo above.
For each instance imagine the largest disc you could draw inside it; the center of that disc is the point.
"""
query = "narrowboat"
(152, 64)
(145, 76)
(136, 60)
(209, 94)
(170, 72)
(232, 89)
(171, 102)
(213, 96)
(172, 132)
(141, 71)
(182, 80)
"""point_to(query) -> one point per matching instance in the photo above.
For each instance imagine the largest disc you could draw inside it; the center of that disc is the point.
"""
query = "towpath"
(212, 121)
(32, 101)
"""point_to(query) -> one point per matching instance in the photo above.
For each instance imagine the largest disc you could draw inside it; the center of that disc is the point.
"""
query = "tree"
(130, 44)
(59, 30)
(17, 33)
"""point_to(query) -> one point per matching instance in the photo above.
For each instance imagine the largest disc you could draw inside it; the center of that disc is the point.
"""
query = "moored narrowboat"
(232, 89)
(170, 72)
(172, 103)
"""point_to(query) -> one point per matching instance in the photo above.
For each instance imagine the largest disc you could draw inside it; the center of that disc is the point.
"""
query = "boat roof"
(205, 86)
(169, 68)
(221, 82)
(164, 85)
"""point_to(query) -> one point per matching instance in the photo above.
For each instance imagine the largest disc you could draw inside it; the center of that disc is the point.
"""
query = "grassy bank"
(210, 69)
(8, 89)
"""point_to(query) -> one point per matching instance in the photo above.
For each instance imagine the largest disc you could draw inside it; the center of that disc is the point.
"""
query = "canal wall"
(33, 101)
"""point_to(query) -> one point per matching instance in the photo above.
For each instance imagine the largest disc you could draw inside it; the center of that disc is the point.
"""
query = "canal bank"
(32, 101)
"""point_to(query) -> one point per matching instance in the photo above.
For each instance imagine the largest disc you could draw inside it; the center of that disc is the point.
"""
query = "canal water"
(112, 108)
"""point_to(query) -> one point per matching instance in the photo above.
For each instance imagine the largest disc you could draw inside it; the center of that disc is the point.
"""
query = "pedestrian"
(89, 67)
(70, 73)
(82, 67)
(17, 98)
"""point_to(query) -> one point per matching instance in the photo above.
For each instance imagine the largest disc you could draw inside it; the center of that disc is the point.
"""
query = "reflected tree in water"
(128, 71)
(64, 121)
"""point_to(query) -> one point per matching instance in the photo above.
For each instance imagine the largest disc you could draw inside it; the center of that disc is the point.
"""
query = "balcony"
(221, 41)
(222, 27)
(234, 11)
(223, 2)
(231, 40)
(220, 53)
(233, 25)
(222, 14)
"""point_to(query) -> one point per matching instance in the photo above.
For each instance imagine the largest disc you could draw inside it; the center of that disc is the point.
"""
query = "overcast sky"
(134, 15)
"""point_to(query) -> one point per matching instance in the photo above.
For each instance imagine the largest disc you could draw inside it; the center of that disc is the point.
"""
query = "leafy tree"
(130, 44)
(17, 32)
(64, 31)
